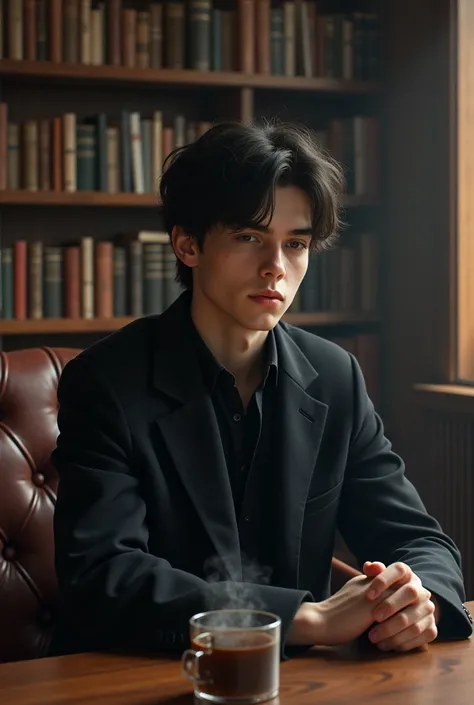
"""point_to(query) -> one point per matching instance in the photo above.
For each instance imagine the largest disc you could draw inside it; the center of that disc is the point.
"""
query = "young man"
(207, 456)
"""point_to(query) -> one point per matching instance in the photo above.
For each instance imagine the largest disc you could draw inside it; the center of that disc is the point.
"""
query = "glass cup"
(235, 656)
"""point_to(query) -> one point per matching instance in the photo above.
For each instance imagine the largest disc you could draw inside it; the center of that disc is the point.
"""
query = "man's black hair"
(229, 175)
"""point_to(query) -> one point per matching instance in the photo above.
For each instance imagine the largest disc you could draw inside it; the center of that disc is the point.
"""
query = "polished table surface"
(351, 675)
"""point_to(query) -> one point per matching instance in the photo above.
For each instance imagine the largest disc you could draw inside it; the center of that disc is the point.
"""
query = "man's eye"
(298, 245)
(246, 237)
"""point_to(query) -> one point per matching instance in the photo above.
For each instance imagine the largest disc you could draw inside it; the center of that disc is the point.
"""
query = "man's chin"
(263, 322)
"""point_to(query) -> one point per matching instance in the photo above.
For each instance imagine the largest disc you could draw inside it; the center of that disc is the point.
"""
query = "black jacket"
(146, 534)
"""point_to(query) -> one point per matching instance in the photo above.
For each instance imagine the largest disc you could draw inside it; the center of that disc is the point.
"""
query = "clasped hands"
(389, 603)
(407, 617)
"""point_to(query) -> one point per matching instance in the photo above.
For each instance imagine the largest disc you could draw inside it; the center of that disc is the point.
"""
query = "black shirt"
(240, 429)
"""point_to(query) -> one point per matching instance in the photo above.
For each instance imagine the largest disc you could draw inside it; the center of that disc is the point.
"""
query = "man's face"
(251, 276)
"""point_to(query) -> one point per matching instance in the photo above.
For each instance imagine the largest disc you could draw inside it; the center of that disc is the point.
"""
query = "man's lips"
(271, 295)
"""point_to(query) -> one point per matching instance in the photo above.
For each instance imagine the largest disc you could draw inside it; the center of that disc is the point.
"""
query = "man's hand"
(341, 618)
(407, 615)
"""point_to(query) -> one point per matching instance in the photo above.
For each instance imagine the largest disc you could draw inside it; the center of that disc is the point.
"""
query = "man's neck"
(240, 351)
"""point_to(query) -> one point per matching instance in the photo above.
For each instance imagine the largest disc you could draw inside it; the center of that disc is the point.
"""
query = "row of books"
(345, 278)
(94, 154)
(126, 155)
(90, 279)
(134, 275)
(287, 37)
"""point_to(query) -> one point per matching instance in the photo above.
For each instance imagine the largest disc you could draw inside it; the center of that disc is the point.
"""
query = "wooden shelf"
(122, 74)
(78, 198)
(50, 326)
(122, 200)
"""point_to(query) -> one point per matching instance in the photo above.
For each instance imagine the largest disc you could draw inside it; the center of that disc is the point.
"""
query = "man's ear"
(185, 246)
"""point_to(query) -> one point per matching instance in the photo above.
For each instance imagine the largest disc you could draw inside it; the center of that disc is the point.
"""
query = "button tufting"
(38, 479)
(9, 553)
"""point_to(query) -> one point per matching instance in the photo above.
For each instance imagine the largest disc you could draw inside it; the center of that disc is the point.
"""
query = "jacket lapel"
(191, 433)
(300, 420)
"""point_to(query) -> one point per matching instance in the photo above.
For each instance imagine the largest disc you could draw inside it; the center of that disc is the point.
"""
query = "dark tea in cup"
(235, 656)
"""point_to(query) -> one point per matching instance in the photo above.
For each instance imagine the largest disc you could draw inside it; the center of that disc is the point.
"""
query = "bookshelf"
(127, 200)
(106, 325)
(46, 71)
(76, 70)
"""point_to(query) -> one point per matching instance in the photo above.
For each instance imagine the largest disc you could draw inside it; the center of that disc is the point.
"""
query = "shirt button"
(242, 468)
(236, 417)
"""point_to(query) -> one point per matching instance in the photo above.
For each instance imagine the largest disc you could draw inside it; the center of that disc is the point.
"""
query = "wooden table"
(357, 674)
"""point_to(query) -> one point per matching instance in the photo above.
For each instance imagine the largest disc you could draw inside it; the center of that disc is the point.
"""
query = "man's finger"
(421, 632)
(395, 573)
(373, 568)
(401, 621)
(399, 600)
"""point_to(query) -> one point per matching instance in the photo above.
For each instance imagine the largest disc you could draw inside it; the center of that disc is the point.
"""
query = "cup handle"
(190, 665)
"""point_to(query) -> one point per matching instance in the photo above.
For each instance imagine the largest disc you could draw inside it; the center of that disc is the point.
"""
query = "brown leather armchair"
(28, 484)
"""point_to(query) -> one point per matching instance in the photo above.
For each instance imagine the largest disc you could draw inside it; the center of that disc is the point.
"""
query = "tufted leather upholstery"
(28, 483)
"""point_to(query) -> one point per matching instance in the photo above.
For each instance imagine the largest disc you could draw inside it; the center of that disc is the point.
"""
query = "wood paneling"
(448, 480)
(417, 213)
(465, 189)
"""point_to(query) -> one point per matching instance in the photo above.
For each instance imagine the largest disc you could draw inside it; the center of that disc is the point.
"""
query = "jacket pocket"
(315, 504)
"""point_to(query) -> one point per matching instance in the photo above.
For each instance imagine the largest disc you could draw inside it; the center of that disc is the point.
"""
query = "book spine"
(13, 160)
(136, 278)
(113, 172)
(45, 155)
(72, 277)
(262, 36)
(15, 29)
(53, 282)
(101, 178)
(216, 39)
(120, 281)
(200, 34)
(143, 40)
(126, 152)
(69, 152)
(137, 157)
(156, 35)
(246, 24)
(30, 30)
(56, 31)
(87, 276)
(85, 31)
(20, 286)
(277, 42)
(229, 40)
(175, 35)
(157, 148)
(41, 31)
(129, 37)
(153, 288)
(97, 36)
(31, 155)
(103, 284)
(114, 8)
(36, 279)
(86, 158)
(7, 292)
(71, 31)
(4, 146)
(57, 153)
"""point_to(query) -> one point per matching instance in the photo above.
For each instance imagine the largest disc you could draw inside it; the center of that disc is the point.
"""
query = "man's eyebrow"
(265, 229)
